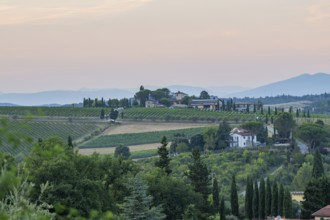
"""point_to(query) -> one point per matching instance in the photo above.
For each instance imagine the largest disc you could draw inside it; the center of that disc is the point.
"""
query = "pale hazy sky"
(73, 44)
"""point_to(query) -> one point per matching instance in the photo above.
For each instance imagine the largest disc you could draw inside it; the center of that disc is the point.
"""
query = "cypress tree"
(274, 210)
(256, 201)
(215, 194)
(200, 180)
(280, 200)
(70, 144)
(297, 113)
(249, 198)
(268, 112)
(275, 111)
(262, 201)
(318, 170)
(164, 159)
(287, 204)
(234, 198)
(222, 210)
(268, 200)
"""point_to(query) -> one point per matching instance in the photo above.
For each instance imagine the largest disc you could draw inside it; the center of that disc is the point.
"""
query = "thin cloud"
(21, 12)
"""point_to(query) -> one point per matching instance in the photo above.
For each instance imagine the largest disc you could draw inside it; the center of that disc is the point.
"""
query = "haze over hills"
(54, 98)
(298, 86)
(304, 84)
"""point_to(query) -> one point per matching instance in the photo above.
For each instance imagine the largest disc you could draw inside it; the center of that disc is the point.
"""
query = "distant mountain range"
(305, 84)
(298, 86)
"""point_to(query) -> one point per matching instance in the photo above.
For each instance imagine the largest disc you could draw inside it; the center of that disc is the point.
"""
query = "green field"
(191, 115)
(51, 111)
(43, 129)
(138, 138)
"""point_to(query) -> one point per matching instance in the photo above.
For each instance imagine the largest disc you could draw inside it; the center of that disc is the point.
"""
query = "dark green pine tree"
(280, 200)
(199, 177)
(274, 199)
(164, 159)
(308, 114)
(234, 198)
(255, 201)
(287, 204)
(317, 195)
(318, 170)
(275, 111)
(215, 194)
(249, 199)
(297, 113)
(262, 199)
(268, 112)
(222, 209)
(254, 108)
(268, 198)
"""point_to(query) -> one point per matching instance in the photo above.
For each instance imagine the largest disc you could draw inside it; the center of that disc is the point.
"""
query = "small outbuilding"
(324, 212)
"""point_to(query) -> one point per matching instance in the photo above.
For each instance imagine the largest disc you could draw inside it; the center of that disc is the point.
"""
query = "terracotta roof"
(324, 212)
(242, 132)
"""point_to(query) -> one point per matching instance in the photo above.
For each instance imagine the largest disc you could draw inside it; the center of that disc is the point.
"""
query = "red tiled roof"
(324, 212)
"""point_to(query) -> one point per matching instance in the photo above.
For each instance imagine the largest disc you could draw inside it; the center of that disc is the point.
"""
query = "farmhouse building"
(324, 212)
(211, 104)
(242, 138)
(179, 96)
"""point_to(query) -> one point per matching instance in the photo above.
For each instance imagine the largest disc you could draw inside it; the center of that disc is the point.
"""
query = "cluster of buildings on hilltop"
(213, 103)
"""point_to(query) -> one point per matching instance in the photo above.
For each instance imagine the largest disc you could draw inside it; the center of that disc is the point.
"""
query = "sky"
(75, 44)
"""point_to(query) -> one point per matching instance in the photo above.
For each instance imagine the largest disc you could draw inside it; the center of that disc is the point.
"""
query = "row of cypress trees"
(261, 200)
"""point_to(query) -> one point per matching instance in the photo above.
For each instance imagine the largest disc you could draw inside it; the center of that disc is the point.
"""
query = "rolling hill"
(304, 84)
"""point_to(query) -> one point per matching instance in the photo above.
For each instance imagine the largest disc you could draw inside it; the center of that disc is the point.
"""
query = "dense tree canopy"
(284, 124)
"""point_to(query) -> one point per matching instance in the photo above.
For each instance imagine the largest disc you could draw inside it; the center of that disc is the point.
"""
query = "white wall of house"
(242, 140)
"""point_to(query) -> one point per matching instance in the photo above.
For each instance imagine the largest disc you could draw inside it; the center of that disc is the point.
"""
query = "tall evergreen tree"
(222, 209)
(318, 170)
(164, 159)
(223, 134)
(215, 194)
(249, 199)
(138, 205)
(287, 204)
(199, 176)
(316, 195)
(256, 201)
(234, 198)
(274, 209)
(70, 144)
(262, 199)
(268, 112)
(268, 198)
(280, 200)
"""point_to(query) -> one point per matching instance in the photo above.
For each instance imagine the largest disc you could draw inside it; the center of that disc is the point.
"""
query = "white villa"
(242, 138)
